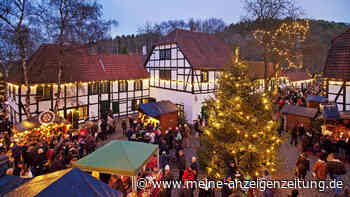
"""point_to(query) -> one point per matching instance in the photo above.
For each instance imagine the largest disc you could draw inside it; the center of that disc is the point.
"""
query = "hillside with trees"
(238, 34)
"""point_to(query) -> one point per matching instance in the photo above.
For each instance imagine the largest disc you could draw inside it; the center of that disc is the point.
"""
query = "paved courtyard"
(288, 156)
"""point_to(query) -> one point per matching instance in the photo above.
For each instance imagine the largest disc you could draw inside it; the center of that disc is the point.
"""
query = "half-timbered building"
(184, 67)
(91, 83)
(337, 72)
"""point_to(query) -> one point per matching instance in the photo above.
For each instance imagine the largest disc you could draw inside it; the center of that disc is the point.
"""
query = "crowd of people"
(332, 154)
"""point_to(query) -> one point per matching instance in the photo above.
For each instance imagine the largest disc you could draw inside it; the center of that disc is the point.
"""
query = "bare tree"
(16, 21)
(78, 21)
(274, 19)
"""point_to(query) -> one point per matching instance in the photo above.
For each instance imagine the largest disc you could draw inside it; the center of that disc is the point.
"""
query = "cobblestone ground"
(288, 155)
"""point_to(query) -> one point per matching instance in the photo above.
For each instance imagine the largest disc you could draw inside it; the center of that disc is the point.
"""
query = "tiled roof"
(203, 50)
(256, 69)
(78, 65)
(338, 60)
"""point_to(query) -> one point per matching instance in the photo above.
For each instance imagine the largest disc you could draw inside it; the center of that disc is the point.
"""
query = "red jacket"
(189, 175)
(152, 163)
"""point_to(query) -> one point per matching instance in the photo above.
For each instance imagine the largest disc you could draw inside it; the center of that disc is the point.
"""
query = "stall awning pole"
(133, 182)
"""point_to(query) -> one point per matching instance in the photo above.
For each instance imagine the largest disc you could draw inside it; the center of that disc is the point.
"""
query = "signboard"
(46, 117)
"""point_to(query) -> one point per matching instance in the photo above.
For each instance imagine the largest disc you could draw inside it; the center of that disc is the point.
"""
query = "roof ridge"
(126, 155)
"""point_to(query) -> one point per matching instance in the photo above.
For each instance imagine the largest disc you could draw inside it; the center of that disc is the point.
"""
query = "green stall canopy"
(119, 157)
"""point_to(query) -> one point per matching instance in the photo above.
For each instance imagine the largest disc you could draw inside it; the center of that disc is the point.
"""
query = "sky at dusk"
(131, 14)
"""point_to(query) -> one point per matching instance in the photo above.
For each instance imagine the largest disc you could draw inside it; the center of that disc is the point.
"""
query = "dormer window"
(165, 54)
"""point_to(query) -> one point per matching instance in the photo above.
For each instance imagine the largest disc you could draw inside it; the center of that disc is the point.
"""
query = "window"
(165, 74)
(45, 92)
(104, 87)
(83, 113)
(138, 85)
(135, 104)
(204, 76)
(93, 88)
(104, 107)
(165, 54)
(115, 107)
(123, 86)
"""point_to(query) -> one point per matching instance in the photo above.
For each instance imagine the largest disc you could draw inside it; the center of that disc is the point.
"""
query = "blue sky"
(131, 14)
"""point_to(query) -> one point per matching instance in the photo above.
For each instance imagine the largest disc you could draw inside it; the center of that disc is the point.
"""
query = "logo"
(46, 117)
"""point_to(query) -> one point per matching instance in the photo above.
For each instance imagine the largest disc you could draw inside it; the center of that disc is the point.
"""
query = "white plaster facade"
(76, 96)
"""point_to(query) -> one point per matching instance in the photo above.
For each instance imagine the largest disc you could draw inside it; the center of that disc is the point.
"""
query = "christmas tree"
(240, 126)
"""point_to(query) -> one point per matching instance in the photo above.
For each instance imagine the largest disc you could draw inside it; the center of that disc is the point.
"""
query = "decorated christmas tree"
(240, 126)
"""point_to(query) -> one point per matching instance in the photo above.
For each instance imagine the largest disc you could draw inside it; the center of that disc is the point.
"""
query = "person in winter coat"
(336, 169)
(163, 160)
(189, 175)
(194, 163)
(302, 166)
(124, 127)
(320, 170)
(294, 136)
(226, 191)
(181, 164)
(231, 169)
(295, 193)
(167, 176)
(206, 191)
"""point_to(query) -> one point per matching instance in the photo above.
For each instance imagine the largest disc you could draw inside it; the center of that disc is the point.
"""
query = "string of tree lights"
(282, 46)
(240, 127)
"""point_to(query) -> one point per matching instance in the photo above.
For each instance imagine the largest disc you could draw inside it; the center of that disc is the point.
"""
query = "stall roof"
(330, 112)
(33, 123)
(155, 109)
(9, 183)
(316, 98)
(69, 182)
(118, 157)
(299, 111)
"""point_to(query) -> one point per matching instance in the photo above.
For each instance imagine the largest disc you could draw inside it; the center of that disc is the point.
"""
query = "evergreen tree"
(240, 126)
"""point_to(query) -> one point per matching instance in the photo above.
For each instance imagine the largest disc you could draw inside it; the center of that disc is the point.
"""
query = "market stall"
(44, 126)
(119, 157)
(163, 113)
(336, 124)
(314, 101)
(69, 182)
(294, 114)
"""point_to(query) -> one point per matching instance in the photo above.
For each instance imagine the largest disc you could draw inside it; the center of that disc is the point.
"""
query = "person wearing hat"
(302, 165)
(166, 176)
(189, 175)
(181, 163)
(195, 166)
(163, 159)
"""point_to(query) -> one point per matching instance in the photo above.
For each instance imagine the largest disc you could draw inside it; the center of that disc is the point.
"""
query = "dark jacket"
(181, 163)
(336, 167)
(303, 164)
